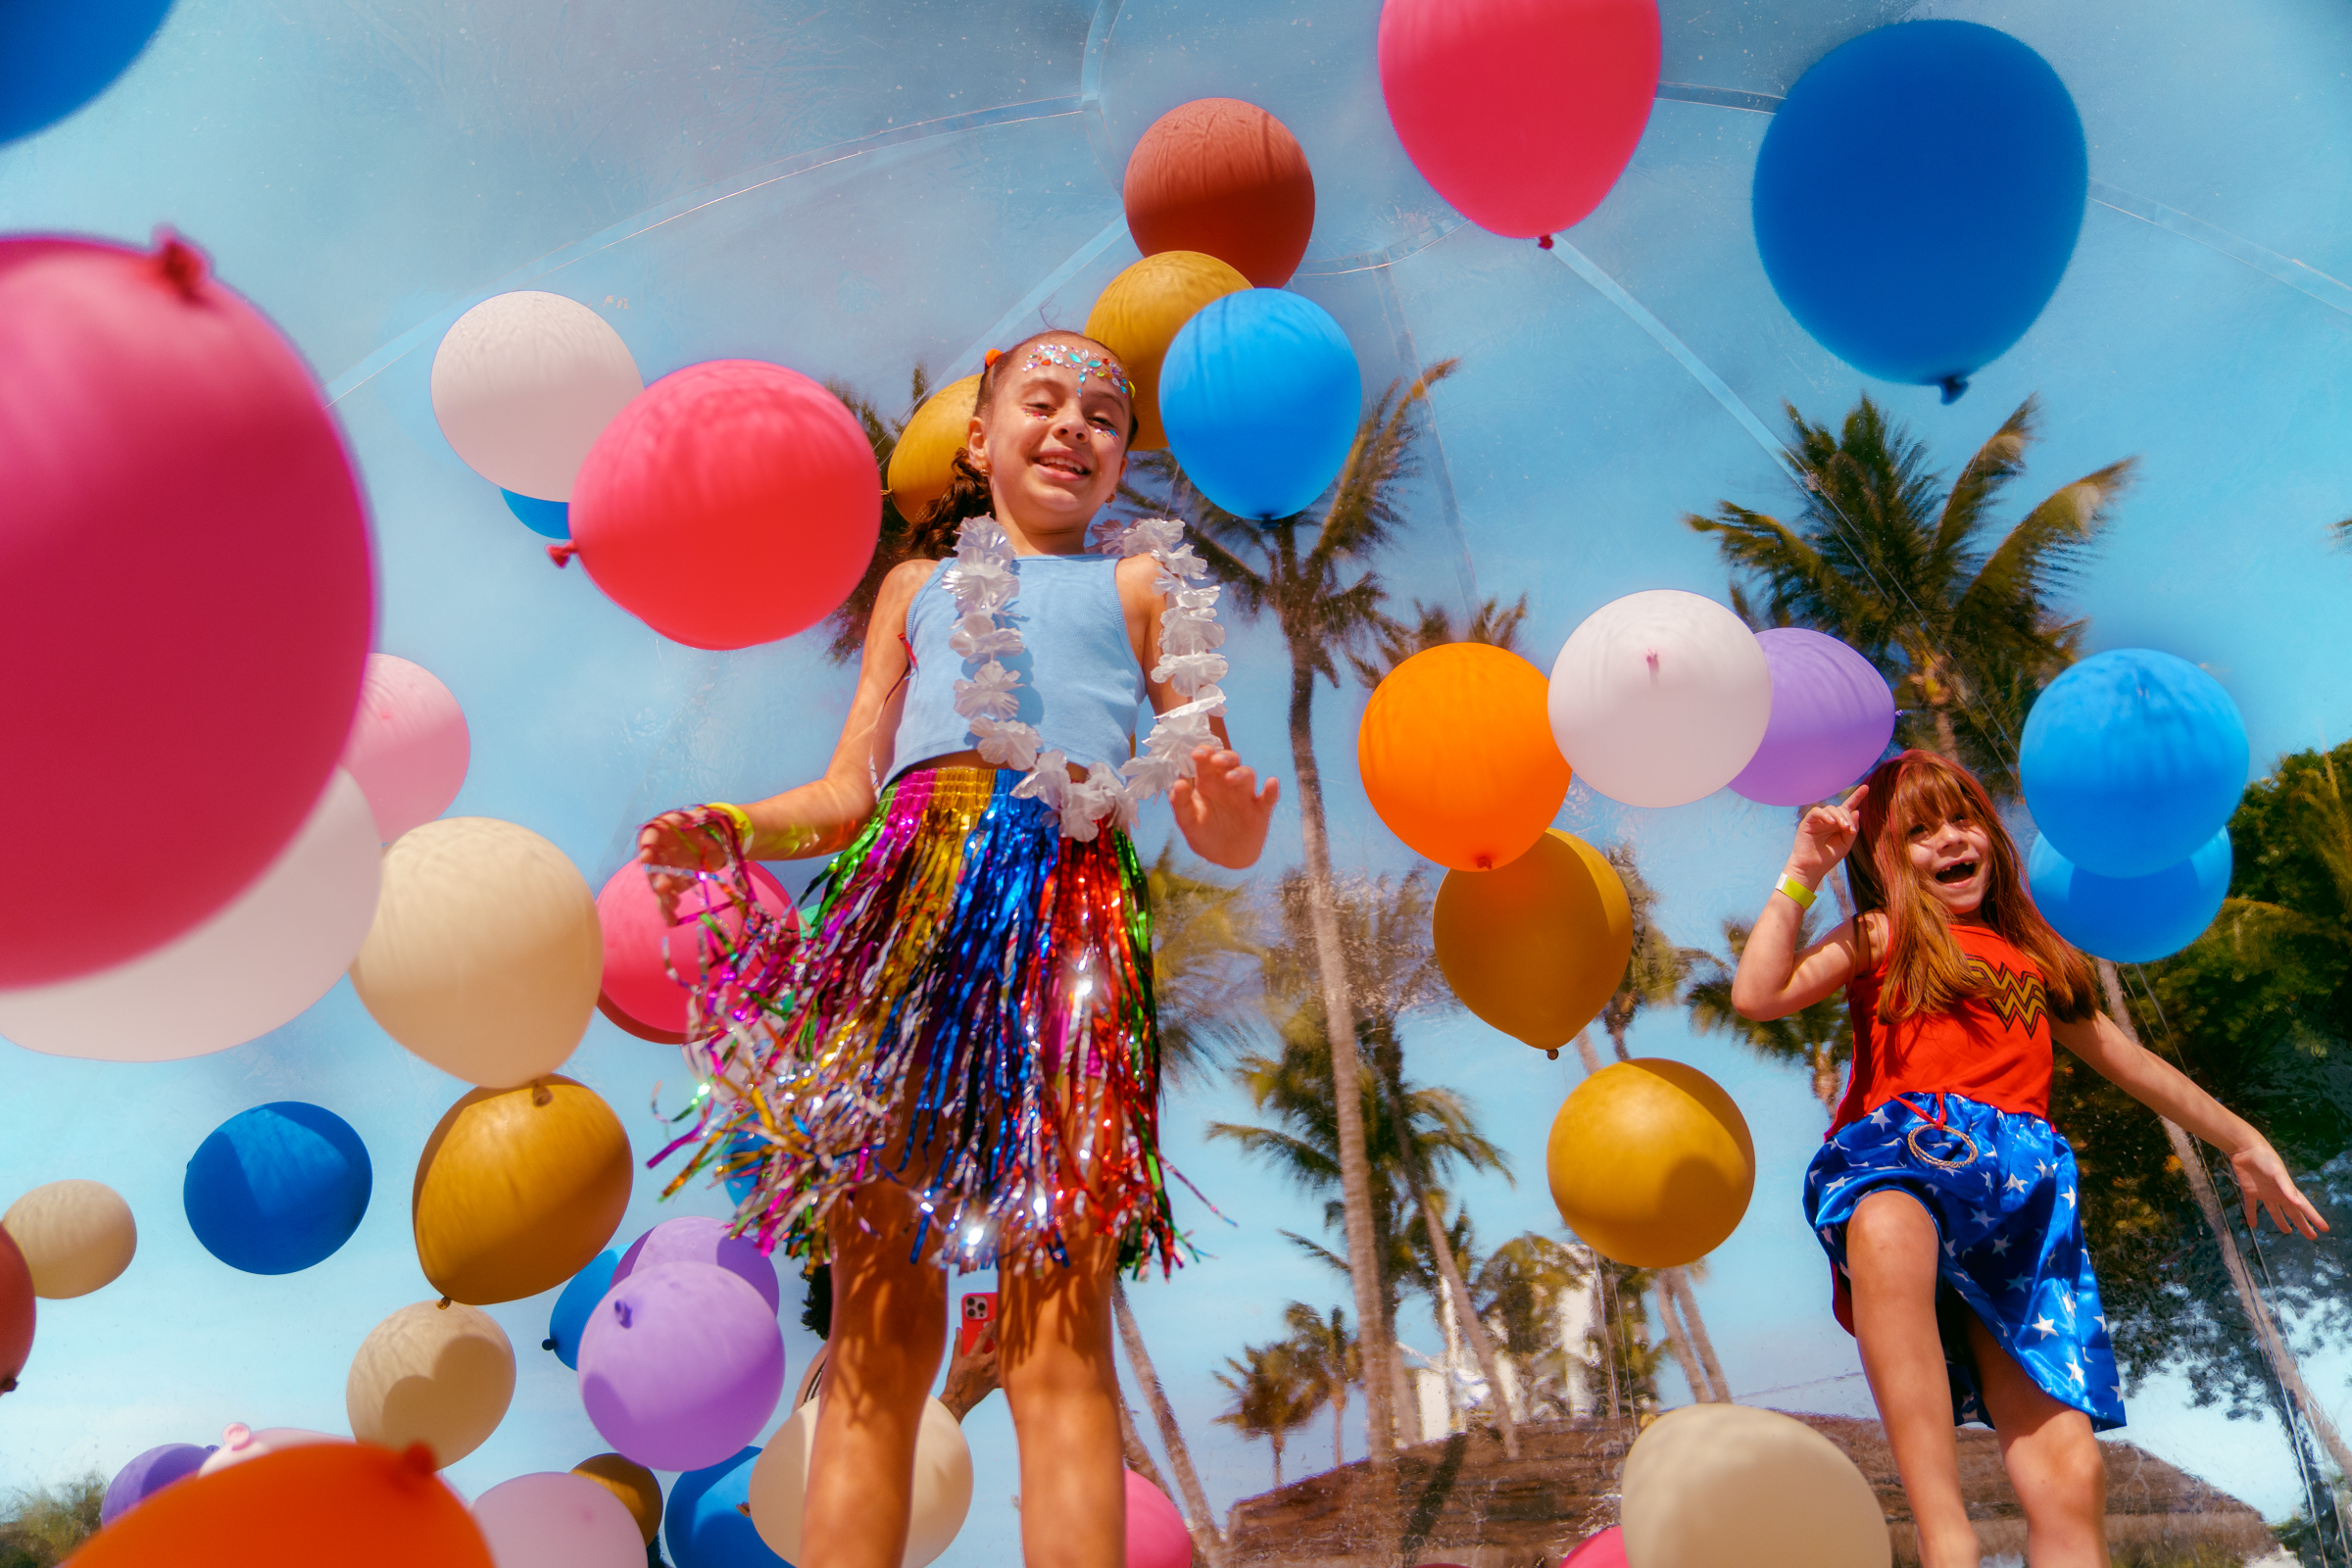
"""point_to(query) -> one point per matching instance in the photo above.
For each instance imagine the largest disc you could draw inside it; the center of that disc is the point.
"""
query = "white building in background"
(1444, 1393)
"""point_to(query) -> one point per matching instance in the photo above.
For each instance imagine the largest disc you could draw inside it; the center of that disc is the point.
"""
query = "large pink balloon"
(681, 1364)
(185, 595)
(409, 745)
(699, 1239)
(1520, 112)
(1155, 1533)
(637, 982)
(732, 503)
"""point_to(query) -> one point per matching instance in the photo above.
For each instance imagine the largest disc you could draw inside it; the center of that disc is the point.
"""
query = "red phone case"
(979, 1311)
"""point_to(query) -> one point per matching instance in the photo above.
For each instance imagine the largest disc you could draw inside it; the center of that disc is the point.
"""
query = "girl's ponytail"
(967, 494)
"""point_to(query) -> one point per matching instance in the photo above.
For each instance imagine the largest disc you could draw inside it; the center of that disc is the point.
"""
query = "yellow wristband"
(1797, 891)
(737, 815)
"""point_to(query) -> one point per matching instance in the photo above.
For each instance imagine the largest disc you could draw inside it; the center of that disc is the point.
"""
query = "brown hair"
(1926, 970)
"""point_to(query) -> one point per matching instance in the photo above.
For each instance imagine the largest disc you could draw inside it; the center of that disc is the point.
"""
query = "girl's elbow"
(1753, 1003)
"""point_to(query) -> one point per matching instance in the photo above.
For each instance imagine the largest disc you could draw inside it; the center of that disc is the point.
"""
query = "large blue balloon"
(1917, 198)
(572, 1308)
(277, 1187)
(2135, 919)
(56, 54)
(704, 1525)
(2130, 761)
(1261, 396)
(550, 519)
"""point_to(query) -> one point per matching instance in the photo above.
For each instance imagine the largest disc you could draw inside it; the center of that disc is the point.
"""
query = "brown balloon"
(1224, 177)
(518, 1189)
(637, 1487)
(17, 1313)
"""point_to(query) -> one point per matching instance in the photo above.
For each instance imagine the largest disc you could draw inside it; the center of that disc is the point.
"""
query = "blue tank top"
(1080, 685)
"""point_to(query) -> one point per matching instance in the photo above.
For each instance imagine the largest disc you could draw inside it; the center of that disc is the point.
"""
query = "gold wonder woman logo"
(2019, 999)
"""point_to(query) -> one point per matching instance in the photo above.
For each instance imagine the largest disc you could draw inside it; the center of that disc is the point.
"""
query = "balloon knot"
(1953, 386)
(1485, 862)
(1652, 655)
(621, 1310)
(8, 1385)
(745, 1508)
(442, 1305)
(547, 1344)
(419, 1458)
(1544, 243)
(562, 554)
(1553, 1051)
(182, 264)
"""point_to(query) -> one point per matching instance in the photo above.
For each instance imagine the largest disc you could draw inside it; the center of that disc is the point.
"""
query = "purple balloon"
(1832, 716)
(681, 1364)
(697, 1239)
(148, 1475)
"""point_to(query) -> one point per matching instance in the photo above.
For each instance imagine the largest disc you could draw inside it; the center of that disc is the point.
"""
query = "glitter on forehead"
(1068, 358)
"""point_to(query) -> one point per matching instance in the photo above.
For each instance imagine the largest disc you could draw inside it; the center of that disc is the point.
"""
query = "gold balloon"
(1651, 1163)
(434, 1373)
(1714, 1484)
(921, 464)
(637, 1487)
(485, 957)
(1138, 314)
(1535, 948)
(518, 1189)
(75, 1237)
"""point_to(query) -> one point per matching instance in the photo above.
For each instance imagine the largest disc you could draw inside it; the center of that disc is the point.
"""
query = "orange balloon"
(1224, 177)
(1537, 946)
(633, 1484)
(518, 1189)
(1457, 754)
(328, 1505)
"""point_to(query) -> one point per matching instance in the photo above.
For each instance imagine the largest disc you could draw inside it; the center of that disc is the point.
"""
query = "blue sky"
(850, 190)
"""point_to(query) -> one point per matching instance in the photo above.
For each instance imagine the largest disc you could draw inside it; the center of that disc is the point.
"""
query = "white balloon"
(1661, 698)
(942, 1484)
(409, 745)
(240, 1443)
(552, 1520)
(256, 965)
(1716, 1484)
(523, 384)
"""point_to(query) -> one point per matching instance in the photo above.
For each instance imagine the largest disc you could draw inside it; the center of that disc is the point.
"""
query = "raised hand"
(2263, 1180)
(1825, 836)
(668, 847)
(1221, 811)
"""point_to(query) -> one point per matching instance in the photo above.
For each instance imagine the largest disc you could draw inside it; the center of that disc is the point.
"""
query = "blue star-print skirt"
(2012, 1228)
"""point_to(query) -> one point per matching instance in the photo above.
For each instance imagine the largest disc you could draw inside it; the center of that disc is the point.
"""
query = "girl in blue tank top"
(955, 1063)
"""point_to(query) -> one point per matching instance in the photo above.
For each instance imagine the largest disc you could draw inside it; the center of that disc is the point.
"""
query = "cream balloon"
(1661, 698)
(556, 1520)
(1714, 1484)
(523, 384)
(240, 1443)
(438, 1373)
(75, 1237)
(942, 1484)
(278, 947)
(485, 957)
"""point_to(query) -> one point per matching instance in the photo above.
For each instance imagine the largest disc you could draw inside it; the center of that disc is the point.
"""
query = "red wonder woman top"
(1993, 1048)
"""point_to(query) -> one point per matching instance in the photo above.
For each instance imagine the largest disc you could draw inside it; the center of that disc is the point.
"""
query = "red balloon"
(1155, 1533)
(185, 594)
(638, 988)
(16, 1312)
(1605, 1550)
(731, 502)
(1226, 179)
(1520, 112)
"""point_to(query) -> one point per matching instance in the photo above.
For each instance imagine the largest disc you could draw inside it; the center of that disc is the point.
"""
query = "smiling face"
(1054, 435)
(1953, 856)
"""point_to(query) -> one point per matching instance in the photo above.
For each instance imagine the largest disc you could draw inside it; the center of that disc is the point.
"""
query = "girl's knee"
(1891, 1227)
(2059, 1466)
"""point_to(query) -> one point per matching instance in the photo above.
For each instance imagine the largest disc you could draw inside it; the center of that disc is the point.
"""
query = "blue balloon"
(277, 1187)
(740, 1185)
(2133, 919)
(550, 519)
(1917, 199)
(1261, 396)
(2130, 761)
(570, 1316)
(54, 58)
(704, 1525)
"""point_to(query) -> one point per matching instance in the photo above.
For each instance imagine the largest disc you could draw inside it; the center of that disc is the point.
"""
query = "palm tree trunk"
(1206, 1539)
(1616, 1027)
(1276, 1440)
(1339, 1015)
(1139, 1457)
(1339, 1423)
(2275, 1349)
(1678, 1283)
(1584, 1049)
(1481, 1346)
(1702, 1392)
(1825, 1079)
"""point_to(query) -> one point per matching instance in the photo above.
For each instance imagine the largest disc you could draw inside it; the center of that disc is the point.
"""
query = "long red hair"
(1926, 970)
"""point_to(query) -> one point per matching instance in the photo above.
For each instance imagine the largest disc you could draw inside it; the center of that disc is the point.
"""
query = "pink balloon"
(185, 594)
(1155, 1533)
(1605, 1550)
(240, 1443)
(696, 1238)
(681, 1364)
(636, 982)
(409, 745)
(731, 502)
(1520, 112)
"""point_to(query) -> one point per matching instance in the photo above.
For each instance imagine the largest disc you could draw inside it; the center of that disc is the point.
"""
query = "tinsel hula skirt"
(969, 1012)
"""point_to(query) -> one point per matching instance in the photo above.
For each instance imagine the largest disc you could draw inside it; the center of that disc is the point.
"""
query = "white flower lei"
(983, 583)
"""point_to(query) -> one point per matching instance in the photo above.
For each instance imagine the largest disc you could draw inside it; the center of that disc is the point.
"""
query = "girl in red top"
(1946, 1202)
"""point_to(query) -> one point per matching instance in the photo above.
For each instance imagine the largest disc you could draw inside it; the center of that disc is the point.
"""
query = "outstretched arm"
(1221, 811)
(2263, 1180)
(1774, 979)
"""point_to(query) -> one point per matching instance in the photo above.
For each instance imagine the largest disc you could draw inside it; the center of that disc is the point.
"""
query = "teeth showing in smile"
(1957, 871)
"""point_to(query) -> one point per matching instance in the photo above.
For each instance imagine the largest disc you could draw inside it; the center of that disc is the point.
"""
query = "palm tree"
(1618, 1337)
(1431, 627)
(882, 433)
(1309, 572)
(1208, 1539)
(1520, 1287)
(1203, 946)
(1272, 1395)
(1820, 1038)
(1959, 621)
(1332, 1358)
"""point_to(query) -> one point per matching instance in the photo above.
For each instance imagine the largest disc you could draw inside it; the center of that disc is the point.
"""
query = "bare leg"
(890, 1322)
(1890, 1251)
(1064, 1391)
(2052, 1458)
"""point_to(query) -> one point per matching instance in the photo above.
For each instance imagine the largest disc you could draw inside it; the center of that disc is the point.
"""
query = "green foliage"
(1654, 974)
(848, 623)
(1204, 953)
(43, 1524)
(1819, 1039)
(1431, 627)
(1274, 1394)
